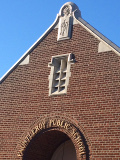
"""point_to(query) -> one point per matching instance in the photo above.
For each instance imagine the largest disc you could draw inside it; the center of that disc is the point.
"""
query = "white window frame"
(59, 74)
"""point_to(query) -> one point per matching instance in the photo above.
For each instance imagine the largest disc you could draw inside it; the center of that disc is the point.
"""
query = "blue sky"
(22, 22)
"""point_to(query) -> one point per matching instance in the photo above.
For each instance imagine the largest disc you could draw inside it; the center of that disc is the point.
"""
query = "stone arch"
(53, 126)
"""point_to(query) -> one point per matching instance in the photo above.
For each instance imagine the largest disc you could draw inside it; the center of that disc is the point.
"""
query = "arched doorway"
(50, 145)
(47, 140)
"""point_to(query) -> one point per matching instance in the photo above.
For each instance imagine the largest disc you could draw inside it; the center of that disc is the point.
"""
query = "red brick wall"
(92, 100)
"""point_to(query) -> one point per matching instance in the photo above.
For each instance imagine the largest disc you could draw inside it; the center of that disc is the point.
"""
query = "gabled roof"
(76, 20)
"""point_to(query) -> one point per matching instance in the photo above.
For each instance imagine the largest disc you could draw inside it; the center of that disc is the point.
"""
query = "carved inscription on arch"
(51, 124)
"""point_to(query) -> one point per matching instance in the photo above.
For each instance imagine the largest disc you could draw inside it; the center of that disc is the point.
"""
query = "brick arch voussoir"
(63, 123)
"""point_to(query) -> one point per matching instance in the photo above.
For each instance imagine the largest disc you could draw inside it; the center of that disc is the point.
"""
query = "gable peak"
(69, 8)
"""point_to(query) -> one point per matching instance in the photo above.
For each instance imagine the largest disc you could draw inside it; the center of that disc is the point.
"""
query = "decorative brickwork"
(56, 123)
(92, 101)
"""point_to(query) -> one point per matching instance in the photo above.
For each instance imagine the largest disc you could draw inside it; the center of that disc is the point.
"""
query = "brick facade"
(92, 101)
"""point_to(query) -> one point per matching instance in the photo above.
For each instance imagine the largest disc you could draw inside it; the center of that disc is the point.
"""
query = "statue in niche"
(64, 31)
(64, 27)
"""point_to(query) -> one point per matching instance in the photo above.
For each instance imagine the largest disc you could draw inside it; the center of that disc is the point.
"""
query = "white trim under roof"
(30, 49)
(99, 36)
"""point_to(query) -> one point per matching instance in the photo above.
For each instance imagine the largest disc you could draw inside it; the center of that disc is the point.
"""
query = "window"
(60, 73)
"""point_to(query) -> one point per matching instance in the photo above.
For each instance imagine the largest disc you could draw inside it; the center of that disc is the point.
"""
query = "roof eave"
(30, 49)
(98, 35)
